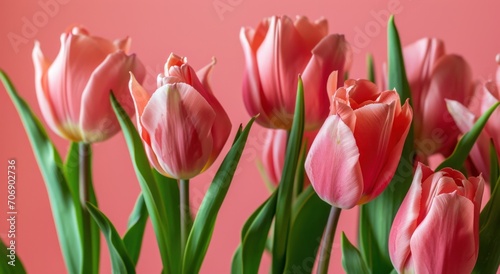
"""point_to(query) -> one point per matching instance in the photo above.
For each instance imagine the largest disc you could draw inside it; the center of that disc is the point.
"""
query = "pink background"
(195, 29)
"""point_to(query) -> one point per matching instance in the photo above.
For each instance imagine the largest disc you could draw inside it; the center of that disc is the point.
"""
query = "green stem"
(326, 244)
(185, 212)
(85, 181)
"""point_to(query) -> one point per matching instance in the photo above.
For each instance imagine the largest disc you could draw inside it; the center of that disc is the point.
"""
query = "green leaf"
(375, 228)
(285, 191)
(489, 249)
(236, 265)
(65, 210)
(457, 159)
(254, 235)
(310, 215)
(169, 253)
(371, 68)
(352, 261)
(72, 172)
(300, 172)
(135, 232)
(11, 263)
(120, 260)
(201, 232)
(169, 192)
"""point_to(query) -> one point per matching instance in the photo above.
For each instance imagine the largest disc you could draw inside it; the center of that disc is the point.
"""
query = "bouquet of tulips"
(418, 153)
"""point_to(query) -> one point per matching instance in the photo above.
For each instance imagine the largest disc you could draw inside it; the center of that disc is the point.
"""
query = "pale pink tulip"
(436, 229)
(73, 91)
(435, 76)
(274, 150)
(276, 52)
(357, 150)
(183, 126)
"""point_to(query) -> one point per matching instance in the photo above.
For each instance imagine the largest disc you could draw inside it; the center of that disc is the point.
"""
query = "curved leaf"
(65, 210)
(10, 265)
(135, 232)
(285, 191)
(120, 260)
(201, 232)
(170, 255)
(352, 261)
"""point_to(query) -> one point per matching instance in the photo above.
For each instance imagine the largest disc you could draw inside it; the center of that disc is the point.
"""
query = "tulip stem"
(185, 212)
(326, 244)
(85, 182)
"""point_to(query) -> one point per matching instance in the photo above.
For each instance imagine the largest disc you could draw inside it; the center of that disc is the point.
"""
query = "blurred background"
(199, 30)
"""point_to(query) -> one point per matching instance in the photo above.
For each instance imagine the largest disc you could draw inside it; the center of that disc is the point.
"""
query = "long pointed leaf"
(285, 192)
(489, 250)
(310, 215)
(352, 261)
(201, 232)
(120, 260)
(254, 235)
(135, 232)
(170, 256)
(65, 210)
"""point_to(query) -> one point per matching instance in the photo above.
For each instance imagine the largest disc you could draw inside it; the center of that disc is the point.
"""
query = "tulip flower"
(183, 126)
(275, 53)
(274, 151)
(436, 229)
(73, 90)
(433, 77)
(357, 150)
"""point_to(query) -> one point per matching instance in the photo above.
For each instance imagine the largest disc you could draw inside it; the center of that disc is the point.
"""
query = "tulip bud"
(73, 90)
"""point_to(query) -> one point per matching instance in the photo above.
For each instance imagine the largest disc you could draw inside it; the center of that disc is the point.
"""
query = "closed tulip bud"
(183, 126)
(436, 229)
(276, 52)
(73, 90)
(356, 152)
(434, 77)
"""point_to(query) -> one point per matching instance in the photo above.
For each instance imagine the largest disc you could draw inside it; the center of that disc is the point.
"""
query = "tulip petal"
(451, 79)
(374, 124)
(281, 57)
(327, 56)
(179, 120)
(42, 64)
(253, 95)
(98, 121)
(332, 164)
(405, 221)
(123, 44)
(420, 58)
(444, 242)
(401, 127)
(311, 32)
(273, 153)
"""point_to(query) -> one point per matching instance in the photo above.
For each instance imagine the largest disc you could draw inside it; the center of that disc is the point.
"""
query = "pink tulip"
(357, 150)
(276, 52)
(73, 90)
(435, 76)
(183, 126)
(436, 229)
(274, 150)
(485, 96)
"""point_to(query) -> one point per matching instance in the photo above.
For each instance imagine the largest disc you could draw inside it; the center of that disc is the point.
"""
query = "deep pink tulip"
(276, 52)
(73, 90)
(357, 150)
(274, 150)
(436, 229)
(435, 76)
(183, 126)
